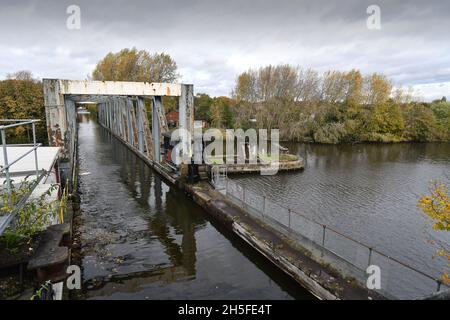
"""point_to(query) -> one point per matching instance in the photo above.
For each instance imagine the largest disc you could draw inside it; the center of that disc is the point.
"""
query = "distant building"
(173, 119)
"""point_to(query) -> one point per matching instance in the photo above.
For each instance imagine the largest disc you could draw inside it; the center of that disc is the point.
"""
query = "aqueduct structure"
(315, 255)
(121, 109)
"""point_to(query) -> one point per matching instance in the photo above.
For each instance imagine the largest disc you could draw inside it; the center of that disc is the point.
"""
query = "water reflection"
(142, 238)
(366, 191)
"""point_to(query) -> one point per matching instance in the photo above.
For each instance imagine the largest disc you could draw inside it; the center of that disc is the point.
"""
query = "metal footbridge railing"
(5, 168)
(399, 280)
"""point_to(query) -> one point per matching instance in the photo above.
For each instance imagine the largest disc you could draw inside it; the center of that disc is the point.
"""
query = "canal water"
(143, 239)
(368, 192)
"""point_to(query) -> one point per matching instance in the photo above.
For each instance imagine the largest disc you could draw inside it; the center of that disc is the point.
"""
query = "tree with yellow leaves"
(136, 65)
(437, 207)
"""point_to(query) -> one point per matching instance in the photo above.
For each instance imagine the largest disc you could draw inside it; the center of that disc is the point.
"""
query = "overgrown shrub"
(30, 218)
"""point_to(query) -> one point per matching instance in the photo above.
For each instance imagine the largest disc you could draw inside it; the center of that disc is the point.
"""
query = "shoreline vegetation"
(329, 108)
(332, 107)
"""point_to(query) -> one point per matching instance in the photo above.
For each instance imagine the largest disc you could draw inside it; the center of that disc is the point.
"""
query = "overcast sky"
(213, 41)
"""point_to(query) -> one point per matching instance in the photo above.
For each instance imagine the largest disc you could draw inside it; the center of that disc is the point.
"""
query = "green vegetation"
(31, 218)
(140, 66)
(281, 157)
(306, 106)
(134, 65)
(219, 111)
(436, 206)
(215, 160)
(22, 97)
(44, 292)
(334, 107)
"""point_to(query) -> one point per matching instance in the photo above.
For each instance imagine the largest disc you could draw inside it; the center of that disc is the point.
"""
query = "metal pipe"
(18, 124)
(21, 157)
(6, 165)
(35, 150)
(15, 120)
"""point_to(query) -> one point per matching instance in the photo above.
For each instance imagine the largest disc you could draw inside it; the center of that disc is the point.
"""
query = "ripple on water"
(142, 239)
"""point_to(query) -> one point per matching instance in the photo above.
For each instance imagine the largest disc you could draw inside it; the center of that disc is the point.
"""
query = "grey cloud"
(212, 41)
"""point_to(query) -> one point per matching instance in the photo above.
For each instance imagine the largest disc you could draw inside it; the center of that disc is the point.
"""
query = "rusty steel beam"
(160, 113)
(156, 128)
(117, 88)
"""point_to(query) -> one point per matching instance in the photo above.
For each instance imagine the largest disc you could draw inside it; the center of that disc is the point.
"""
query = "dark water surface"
(369, 192)
(143, 239)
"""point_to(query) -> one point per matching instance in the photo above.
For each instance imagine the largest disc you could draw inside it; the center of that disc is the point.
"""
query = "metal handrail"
(10, 217)
(21, 122)
(3, 168)
(6, 164)
(371, 249)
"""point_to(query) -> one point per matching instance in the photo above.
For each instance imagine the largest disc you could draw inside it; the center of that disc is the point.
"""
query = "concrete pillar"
(55, 112)
(186, 110)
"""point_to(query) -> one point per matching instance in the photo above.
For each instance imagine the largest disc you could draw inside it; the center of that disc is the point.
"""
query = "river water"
(143, 239)
(368, 192)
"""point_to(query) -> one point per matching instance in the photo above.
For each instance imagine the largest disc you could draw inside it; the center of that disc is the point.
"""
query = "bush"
(330, 133)
(31, 218)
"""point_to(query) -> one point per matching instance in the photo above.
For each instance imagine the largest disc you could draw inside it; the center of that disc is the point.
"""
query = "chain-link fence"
(351, 257)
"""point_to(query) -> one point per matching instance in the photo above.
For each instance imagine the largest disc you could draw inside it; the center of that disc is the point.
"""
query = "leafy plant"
(45, 292)
(30, 218)
(437, 207)
(8, 200)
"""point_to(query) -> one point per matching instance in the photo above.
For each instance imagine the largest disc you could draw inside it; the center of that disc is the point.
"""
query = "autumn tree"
(436, 206)
(376, 89)
(441, 111)
(21, 97)
(245, 89)
(420, 123)
(203, 103)
(220, 112)
(336, 106)
(353, 88)
(23, 75)
(136, 65)
(333, 88)
(385, 123)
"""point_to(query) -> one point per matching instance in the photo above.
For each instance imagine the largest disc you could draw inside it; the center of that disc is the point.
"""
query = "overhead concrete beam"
(119, 88)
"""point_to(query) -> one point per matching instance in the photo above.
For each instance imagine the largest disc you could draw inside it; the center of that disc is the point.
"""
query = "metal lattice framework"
(122, 110)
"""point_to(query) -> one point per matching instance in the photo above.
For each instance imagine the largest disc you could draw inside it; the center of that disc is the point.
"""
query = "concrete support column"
(55, 112)
(186, 110)
(70, 136)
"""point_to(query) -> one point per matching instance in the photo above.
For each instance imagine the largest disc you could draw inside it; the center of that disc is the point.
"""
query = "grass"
(282, 157)
(215, 160)
(264, 157)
